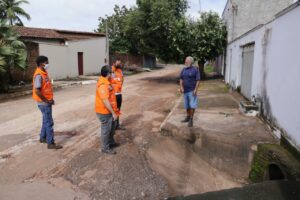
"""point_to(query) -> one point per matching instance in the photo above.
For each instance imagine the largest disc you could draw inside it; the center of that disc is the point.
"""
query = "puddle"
(165, 79)
(5, 157)
(66, 133)
(63, 136)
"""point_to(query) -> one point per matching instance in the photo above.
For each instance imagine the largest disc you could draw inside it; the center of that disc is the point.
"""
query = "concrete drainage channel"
(227, 166)
(225, 151)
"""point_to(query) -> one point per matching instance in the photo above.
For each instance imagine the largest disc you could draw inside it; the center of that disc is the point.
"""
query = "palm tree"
(11, 11)
(13, 54)
(4, 48)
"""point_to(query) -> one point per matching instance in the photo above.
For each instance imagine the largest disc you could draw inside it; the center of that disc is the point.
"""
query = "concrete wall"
(243, 15)
(93, 54)
(275, 70)
(58, 59)
(64, 61)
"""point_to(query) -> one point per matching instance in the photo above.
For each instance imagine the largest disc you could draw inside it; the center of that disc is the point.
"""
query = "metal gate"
(247, 68)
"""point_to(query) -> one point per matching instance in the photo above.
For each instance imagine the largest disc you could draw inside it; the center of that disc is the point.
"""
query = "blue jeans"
(190, 100)
(47, 125)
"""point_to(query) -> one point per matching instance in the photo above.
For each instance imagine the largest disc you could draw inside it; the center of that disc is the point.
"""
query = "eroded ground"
(147, 165)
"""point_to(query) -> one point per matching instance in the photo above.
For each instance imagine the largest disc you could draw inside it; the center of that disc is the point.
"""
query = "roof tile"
(41, 33)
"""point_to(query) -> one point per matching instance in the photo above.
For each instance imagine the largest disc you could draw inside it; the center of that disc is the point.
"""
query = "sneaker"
(54, 146)
(43, 140)
(114, 145)
(108, 151)
(187, 119)
(190, 124)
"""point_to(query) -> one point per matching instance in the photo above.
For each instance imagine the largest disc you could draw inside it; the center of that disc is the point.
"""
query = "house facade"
(70, 53)
(240, 16)
(264, 63)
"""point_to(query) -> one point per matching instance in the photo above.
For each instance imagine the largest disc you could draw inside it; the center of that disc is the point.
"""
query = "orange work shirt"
(117, 79)
(104, 90)
(46, 88)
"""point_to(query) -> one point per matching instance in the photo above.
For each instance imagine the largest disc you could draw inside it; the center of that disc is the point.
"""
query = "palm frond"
(18, 44)
(11, 10)
(6, 50)
(20, 12)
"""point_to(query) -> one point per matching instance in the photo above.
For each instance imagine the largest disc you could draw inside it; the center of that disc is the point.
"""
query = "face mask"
(46, 67)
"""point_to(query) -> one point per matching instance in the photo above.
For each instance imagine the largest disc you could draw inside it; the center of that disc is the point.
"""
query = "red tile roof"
(41, 33)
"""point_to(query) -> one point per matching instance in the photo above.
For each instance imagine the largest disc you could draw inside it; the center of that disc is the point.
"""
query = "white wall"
(93, 54)
(249, 14)
(58, 59)
(276, 70)
(64, 61)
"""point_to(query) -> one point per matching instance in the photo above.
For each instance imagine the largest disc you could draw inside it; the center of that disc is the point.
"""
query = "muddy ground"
(146, 166)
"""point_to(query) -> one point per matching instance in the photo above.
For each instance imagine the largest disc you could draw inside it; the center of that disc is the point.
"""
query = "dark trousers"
(108, 128)
(119, 104)
(47, 125)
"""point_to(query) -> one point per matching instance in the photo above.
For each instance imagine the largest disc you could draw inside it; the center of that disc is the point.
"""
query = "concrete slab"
(221, 134)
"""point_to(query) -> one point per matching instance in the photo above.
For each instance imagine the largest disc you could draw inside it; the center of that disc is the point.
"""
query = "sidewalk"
(221, 135)
(59, 84)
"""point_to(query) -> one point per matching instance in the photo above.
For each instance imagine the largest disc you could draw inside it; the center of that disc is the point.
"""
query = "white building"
(70, 53)
(240, 16)
(265, 62)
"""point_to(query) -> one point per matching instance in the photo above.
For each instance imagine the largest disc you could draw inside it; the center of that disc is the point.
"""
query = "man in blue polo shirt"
(189, 83)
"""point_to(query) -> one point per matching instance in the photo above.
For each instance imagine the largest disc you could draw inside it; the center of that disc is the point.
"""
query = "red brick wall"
(26, 75)
(127, 59)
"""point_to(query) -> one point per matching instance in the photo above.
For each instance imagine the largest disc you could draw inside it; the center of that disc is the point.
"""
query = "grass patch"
(208, 69)
(214, 87)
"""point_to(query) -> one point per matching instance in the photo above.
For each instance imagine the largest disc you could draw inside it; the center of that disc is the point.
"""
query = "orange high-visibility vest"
(46, 88)
(117, 79)
(104, 90)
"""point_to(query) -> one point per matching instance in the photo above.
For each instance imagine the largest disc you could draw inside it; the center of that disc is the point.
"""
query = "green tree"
(152, 23)
(160, 27)
(115, 24)
(209, 35)
(13, 54)
(146, 28)
(11, 11)
(182, 40)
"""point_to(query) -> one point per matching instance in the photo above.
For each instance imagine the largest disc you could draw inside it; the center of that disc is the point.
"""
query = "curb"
(177, 102)
(55, 87)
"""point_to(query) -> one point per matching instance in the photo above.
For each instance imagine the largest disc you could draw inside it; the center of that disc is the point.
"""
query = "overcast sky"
(82, 15)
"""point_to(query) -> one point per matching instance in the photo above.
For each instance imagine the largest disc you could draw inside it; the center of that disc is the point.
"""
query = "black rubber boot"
(122, 128)
(114, 145)
(108, 151)
(187, 119)
(43, 140)
(190, 124)
(54, 146)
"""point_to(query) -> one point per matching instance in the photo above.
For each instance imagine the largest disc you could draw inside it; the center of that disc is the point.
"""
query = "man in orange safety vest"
(42, 93)
(117, 80)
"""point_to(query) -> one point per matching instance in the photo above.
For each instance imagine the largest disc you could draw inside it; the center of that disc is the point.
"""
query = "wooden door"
(80, 63)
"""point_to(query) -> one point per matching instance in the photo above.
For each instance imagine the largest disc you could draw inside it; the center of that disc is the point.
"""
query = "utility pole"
(200, 7)
(107, 44)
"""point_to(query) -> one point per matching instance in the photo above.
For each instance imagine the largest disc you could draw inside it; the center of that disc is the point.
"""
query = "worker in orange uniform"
(106, 110)
(43, 94)
(117, 83)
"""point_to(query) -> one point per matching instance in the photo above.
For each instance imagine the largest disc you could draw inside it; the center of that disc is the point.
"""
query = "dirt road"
(28, 170)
